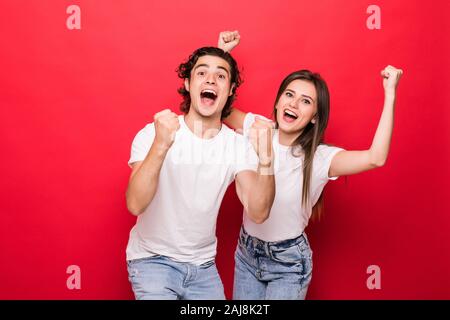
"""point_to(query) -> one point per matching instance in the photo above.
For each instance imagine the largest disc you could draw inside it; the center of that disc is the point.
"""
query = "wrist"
(265, 167)
(265, 163)
(389, 93)
(160, 146)
(265, 160)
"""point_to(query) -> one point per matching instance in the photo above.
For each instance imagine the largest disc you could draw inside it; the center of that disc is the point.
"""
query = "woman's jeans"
(279, 270)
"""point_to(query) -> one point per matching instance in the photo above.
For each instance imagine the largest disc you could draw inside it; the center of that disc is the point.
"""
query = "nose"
(293, 103)
(210, 79)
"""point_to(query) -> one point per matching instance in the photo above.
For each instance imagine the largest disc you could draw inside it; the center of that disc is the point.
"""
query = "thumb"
(385, 74)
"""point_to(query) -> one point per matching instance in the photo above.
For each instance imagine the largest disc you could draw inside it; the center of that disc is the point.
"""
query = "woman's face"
(297, 106)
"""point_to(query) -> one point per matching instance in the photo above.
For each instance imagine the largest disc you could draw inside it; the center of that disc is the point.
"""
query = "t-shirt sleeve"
(248, 121)
(323, 157)
(142, 143)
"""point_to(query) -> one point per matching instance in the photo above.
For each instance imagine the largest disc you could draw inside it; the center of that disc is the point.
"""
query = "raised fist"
(391, 77)
(228, 40)
(260, 135)
(166, 125)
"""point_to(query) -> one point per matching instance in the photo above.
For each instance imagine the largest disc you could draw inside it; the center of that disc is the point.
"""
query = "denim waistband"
(249, 240)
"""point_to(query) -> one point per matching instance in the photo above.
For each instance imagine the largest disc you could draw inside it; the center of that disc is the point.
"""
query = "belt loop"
(267, 249)
(242, 235)
(245, 236)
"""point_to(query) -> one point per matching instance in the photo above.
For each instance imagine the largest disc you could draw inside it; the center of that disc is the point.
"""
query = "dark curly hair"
(184, 72)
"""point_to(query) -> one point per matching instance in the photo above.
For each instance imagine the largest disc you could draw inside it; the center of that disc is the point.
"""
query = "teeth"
(210, 91)
(290, 113)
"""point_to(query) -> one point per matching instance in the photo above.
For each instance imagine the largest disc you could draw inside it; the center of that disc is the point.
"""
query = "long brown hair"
(312, 134)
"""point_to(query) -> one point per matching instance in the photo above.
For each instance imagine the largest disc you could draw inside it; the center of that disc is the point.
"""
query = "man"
(181, 168)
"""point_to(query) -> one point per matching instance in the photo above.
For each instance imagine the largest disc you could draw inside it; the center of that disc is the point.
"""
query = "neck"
(203, 127)
(287, 139)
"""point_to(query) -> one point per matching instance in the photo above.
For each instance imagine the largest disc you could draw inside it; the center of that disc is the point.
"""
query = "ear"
(231, 89)
(186, 84)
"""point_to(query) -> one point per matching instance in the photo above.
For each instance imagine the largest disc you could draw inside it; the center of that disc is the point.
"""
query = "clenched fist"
(166, 125)
(260, 136)
(228, 40)
(391, 77)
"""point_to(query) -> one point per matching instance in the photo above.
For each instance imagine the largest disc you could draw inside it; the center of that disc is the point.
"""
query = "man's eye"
(201, 73)
(221, 76)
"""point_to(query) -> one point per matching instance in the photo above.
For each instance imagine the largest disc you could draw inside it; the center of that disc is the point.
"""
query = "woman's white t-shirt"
(288, 219)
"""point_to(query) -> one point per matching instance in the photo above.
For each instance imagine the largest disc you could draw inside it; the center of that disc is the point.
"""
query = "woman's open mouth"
(289, 116)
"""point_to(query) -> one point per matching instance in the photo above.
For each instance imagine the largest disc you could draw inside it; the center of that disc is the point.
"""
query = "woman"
(274, 259)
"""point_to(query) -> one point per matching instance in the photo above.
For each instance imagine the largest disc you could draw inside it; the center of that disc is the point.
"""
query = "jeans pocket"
(305, 249)
(307, 268)
(132, 271)
(136, 265)
(290, 255)
(306, 261)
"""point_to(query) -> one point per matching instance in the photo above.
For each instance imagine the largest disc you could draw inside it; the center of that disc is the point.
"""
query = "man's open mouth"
(208, 96)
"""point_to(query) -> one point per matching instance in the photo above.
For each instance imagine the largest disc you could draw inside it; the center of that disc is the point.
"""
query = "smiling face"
(209, 86)
(297, 106)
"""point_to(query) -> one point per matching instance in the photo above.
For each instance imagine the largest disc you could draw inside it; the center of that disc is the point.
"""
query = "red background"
(71, 102)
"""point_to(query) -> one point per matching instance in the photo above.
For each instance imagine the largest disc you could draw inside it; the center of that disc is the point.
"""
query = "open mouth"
(208, 97)
(289, 116)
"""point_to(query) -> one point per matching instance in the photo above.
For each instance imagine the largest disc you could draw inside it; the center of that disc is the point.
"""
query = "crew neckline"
(185, 127)
(277, 140)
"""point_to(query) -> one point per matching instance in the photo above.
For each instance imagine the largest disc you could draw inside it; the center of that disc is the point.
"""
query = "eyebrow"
(303, 95)
(207, 65)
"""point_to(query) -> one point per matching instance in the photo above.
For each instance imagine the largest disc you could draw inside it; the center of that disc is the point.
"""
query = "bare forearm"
(261, 195)
(352, 162)
(143, 184)
(346, 163)
(379, 149)
(236, 119)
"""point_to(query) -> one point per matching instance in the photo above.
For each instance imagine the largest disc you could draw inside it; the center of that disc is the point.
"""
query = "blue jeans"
(279, 270)
(160, 278)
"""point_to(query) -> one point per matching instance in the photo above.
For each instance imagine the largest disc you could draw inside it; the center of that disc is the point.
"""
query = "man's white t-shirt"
(288, 219)
(180, 221)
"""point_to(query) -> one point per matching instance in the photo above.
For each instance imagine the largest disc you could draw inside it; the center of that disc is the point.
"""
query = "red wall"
(71, 102)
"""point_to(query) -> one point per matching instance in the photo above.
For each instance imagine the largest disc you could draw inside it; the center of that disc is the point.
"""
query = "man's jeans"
(160, 278)
(272, 270)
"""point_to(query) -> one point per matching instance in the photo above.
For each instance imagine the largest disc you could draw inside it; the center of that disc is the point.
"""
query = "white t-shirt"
(180, 221)
(288, 218)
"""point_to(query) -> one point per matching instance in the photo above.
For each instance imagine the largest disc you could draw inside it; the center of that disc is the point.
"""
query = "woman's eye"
(221, 76)
(288, 94)
(306, 101)
(201, 73)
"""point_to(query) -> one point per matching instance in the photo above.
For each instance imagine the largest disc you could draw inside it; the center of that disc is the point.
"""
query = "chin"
(207, 111)
(288, 128)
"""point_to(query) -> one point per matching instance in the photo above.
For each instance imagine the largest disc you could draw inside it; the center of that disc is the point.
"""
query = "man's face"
(209, 86)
